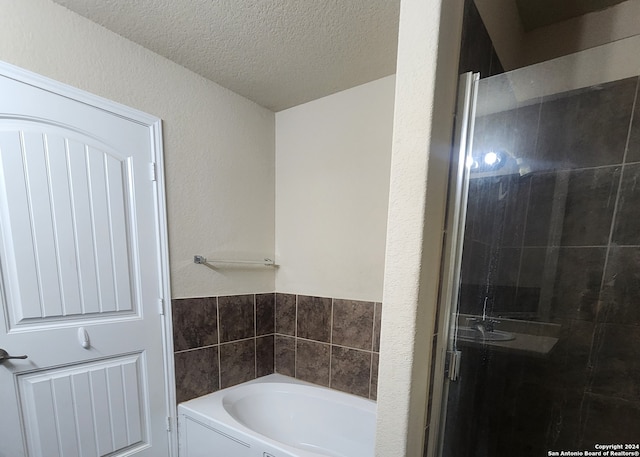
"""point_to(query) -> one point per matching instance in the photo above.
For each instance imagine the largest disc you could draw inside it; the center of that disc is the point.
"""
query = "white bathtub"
(277, 416)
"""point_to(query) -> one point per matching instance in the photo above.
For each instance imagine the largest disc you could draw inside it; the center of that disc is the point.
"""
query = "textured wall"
(219, 147)
(332, 187)
(428, 49)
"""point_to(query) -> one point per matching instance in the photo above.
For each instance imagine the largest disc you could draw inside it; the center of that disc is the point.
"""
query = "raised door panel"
(93, 409)
(65, 228)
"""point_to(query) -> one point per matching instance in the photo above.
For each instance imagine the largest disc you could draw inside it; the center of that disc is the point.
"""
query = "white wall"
(219, 146)
(332, 187)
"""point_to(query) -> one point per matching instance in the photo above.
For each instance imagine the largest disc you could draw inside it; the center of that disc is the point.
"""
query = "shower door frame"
(445, 360)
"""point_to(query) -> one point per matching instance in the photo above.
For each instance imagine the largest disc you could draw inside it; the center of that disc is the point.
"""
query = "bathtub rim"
(209, 410)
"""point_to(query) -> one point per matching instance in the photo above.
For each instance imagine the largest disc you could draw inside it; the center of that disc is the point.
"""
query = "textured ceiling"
(278, 53)
(538, 13)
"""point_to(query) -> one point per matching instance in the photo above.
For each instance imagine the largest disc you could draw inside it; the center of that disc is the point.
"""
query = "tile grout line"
(330, 342)
(373, 337)
(218, 332)
(295, 339)
(255, 336)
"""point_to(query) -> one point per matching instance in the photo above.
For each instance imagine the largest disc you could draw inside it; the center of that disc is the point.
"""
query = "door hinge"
(452, 365)
(161, 306)
(168, 423)
(153, 171)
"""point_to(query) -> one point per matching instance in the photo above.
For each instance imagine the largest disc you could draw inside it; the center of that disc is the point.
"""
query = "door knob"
(4, 355)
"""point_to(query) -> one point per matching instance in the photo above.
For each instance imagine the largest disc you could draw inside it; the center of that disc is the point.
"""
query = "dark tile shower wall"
(562, 245)
(223, 341)
(330, 342)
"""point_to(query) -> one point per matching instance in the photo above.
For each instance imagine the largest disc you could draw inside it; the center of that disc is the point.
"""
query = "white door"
(80, 278)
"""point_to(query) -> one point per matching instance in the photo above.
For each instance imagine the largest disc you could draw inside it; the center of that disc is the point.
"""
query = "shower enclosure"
(540, 338)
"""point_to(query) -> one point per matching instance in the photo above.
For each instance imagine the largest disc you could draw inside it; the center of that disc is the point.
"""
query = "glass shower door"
(546, 319)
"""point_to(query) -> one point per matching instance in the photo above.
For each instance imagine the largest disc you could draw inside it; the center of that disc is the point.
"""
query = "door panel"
(67, 214)
(90, 410)
(78, 215)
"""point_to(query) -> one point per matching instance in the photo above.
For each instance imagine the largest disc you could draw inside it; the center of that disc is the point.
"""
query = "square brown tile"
(236, 317)
(264, 355)
(351, 371)
(286, 314)
(195, 322)
(196, 373)
(285, 355)
(353, 323)
(314, 318)
(237, 362)
(265, 314)
(312, 362)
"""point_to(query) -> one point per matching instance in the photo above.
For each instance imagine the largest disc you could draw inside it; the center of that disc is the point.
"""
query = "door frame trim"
(155, 128)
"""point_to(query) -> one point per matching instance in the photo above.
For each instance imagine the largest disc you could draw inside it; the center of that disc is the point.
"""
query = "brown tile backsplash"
(237, 362)
(313, 361)
(351, 370)
(237, 317)
(197, 373)
(265, 314)
(194, 322)
(285, 355)
(286, 314)
(265, 355)
(314, 318)
(352, 324)
(223, 341)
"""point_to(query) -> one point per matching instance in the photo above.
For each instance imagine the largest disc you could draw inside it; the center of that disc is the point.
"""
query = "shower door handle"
(4, 355)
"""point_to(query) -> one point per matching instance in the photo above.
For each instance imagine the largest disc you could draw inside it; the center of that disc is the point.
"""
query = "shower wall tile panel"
(627, 227)
(586, 128)
(609, 417)
(591, 197)
(579, 267)
(577, 283)
(621, 287)
(633, 149)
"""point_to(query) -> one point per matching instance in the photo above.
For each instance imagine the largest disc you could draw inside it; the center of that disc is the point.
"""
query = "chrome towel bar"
(203, 261)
